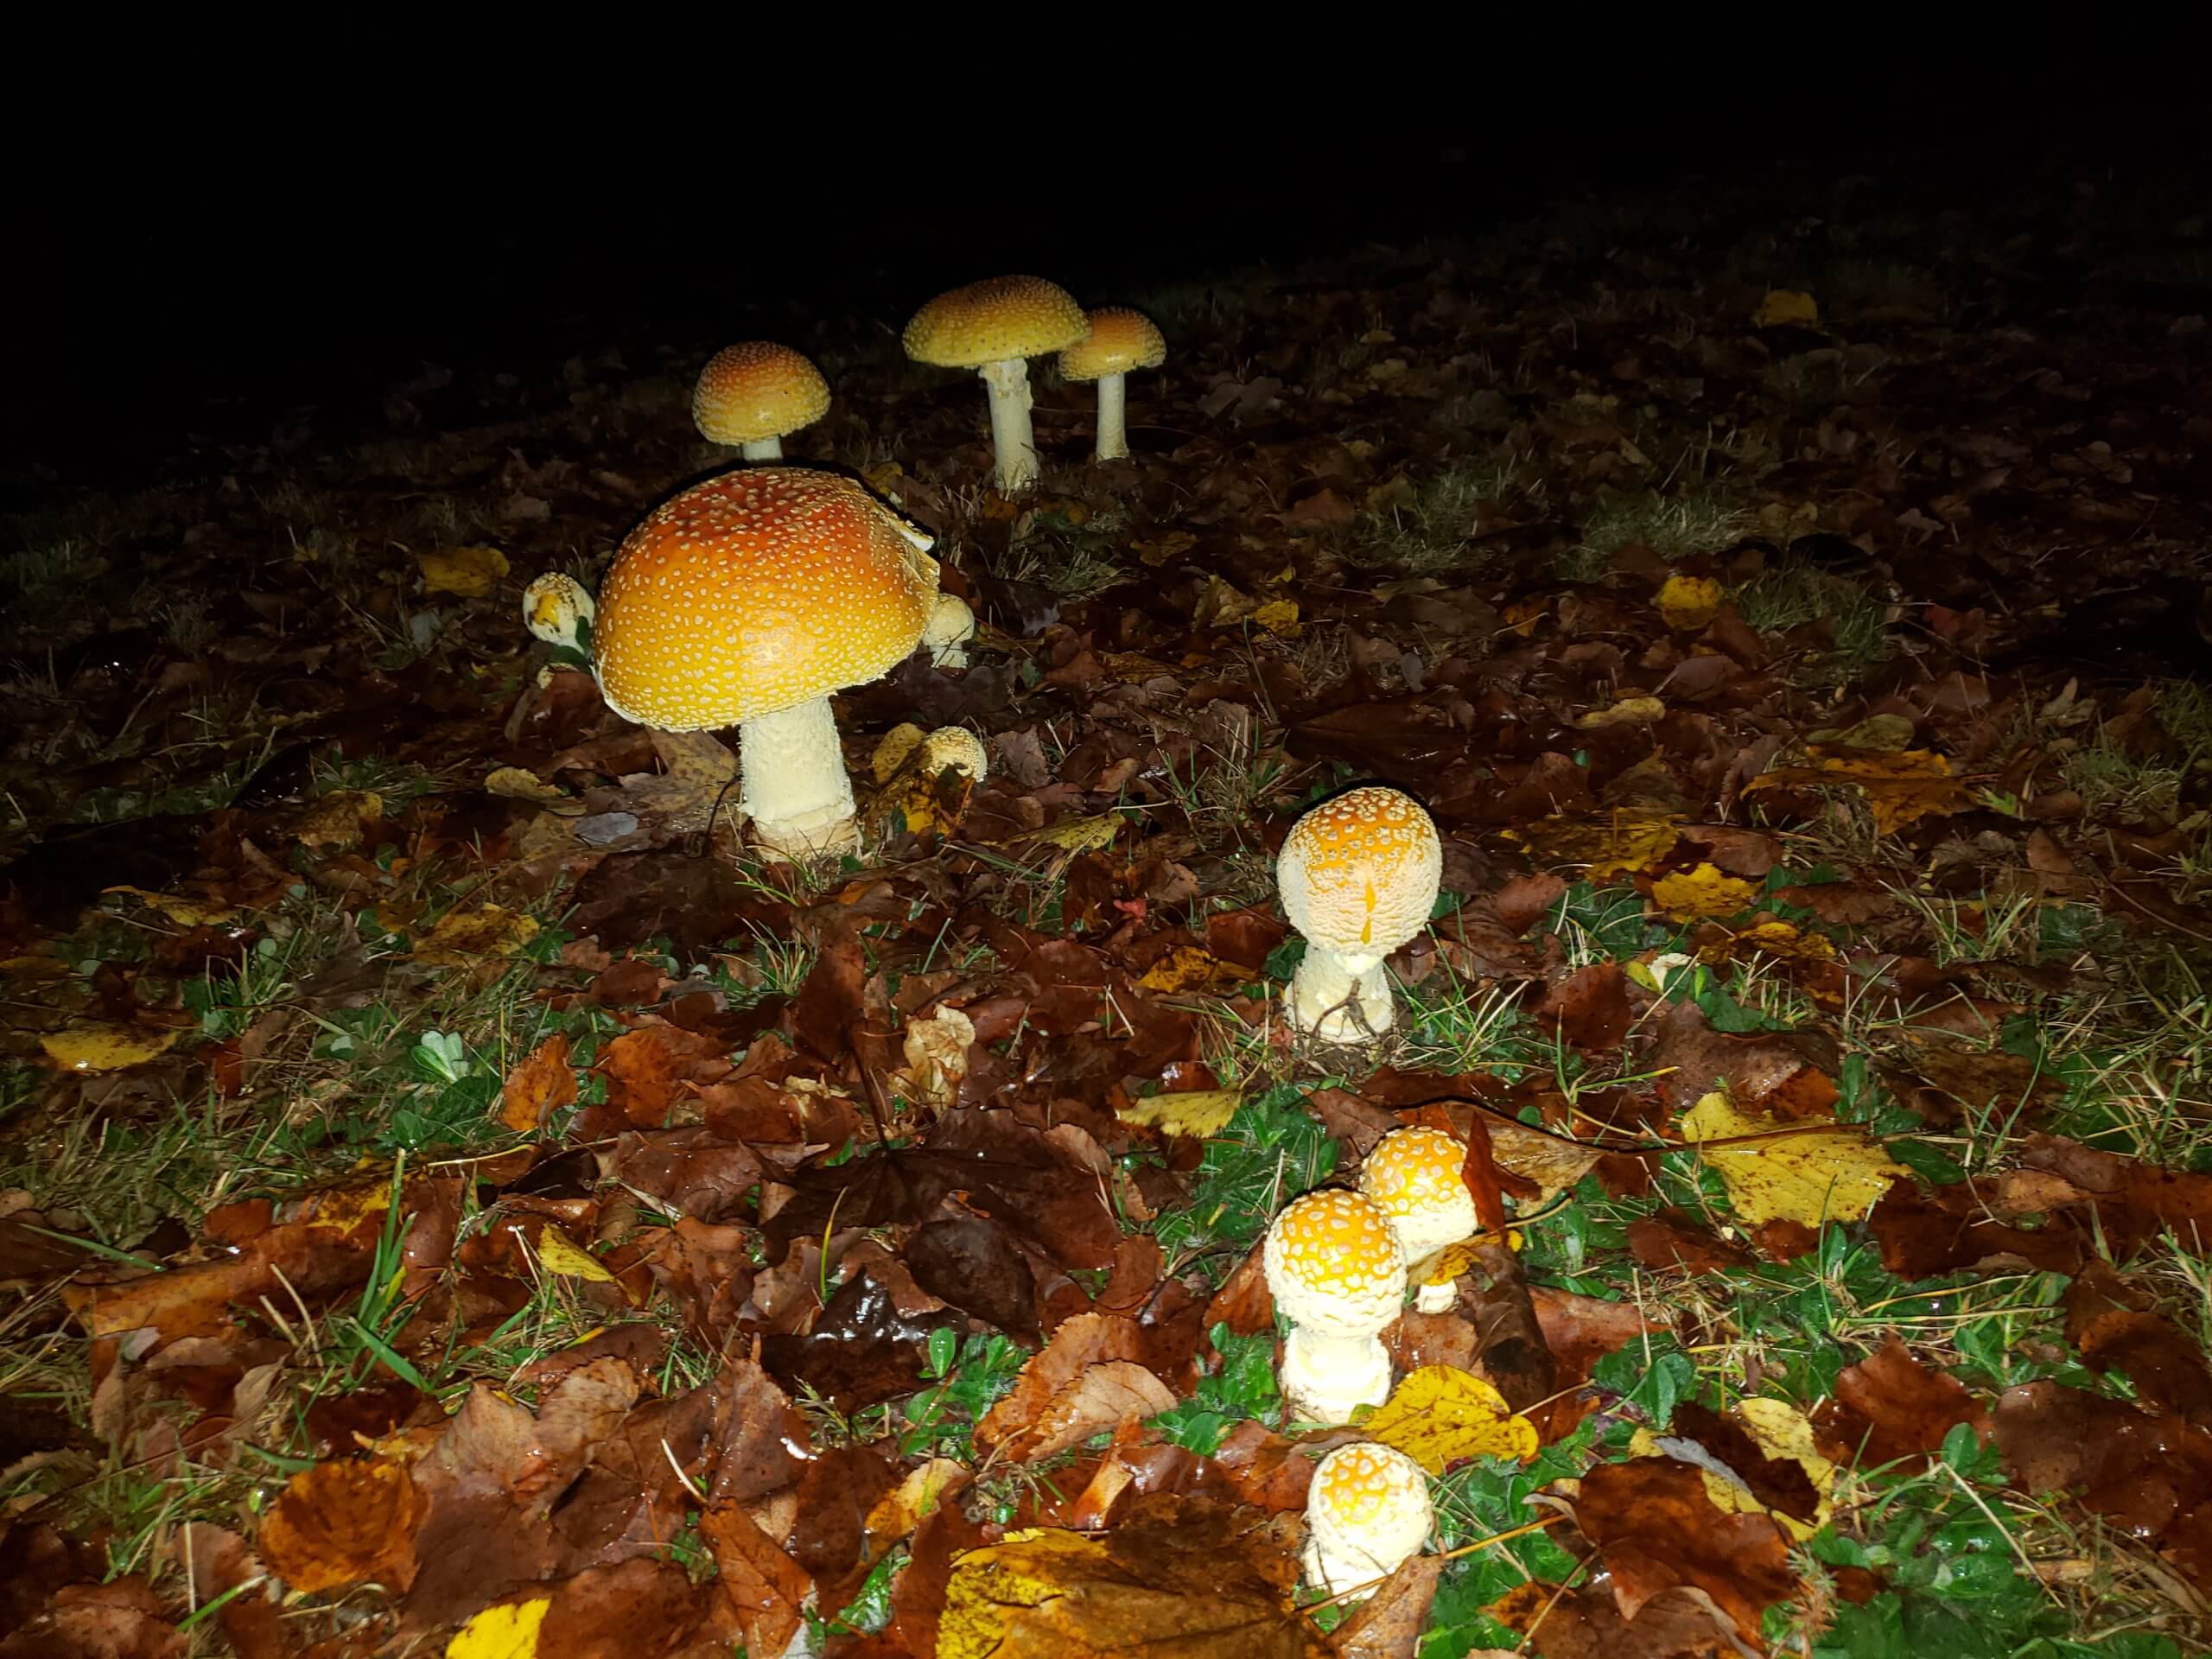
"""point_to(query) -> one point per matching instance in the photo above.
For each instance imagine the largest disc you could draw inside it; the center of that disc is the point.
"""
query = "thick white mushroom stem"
(792, 781)
(1324, 1377)
(1012, 439)
(1113, 434)
(1331, 994)
(1438, 1296)
(762, 450)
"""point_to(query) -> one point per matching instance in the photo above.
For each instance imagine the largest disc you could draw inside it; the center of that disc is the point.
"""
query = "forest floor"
(448, 1195)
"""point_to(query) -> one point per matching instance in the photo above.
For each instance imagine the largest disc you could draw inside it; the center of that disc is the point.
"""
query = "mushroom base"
(762, 450)
(1438, 1296)
(1340, 999)
(792, 783)
(1324, 1378)
(1012, 440)
(1113, 430)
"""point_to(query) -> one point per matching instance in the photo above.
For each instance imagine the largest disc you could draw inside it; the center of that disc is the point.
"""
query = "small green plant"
(1241, 1388)
(965, 1378)
(1271, 1150)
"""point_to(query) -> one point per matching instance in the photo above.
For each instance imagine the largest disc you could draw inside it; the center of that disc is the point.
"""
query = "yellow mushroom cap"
(992, 321)
(756, 389)
(754, 592)
(1413, 1176)
(1121, 339)
(1358, 874)
(1368, 1510)
(1333, 1264)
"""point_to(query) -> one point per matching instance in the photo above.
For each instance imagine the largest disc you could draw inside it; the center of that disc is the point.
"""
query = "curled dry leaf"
(541, 1085)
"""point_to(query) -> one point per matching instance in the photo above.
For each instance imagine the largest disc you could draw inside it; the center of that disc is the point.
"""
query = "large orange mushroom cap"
(755, 592)
(757, 389)
(995, 321)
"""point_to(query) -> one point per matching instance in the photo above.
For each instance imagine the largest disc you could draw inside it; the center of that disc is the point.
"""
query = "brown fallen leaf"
(762, 1588)
(342, 1523)
(1388, 1623)
(1889, 1408)
(1086, 1341)
(1659, 1530)
(1103, 1397)
(540, 1086)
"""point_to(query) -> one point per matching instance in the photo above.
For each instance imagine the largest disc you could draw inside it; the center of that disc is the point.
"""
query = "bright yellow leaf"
(1628, 711)
(1279, 616)
(1688, 894)
(1193, 1111)
(507, 1632)
(1192, 967)
(1690, 601)
(1441, 1414)
(464, 937)
(471, 572)
(106, 1044)
(1787, 305)
(181, 908)
(558, 1253)
(1619, 843)
(1901, 788)
(1090, 835)
(1822, 1171)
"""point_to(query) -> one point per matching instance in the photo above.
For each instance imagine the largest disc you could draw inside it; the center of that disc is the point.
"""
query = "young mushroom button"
(1337, 1275)
(1414, 1177)
(1120, 340)
(1367, 1514)
(755, 394)
(993, 328)
(1358, 876)
(746, 602)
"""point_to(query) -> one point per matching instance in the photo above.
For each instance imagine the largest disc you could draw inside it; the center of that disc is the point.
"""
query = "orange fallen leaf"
(539, 1087)
(1901, 788)
(344, 1522)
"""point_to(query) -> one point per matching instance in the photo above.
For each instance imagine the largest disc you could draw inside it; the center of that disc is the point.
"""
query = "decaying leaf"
(559, 1255)
(1701, 891)
(541, 1085)
(937, 1054)
(1438, 1416)
(1620, 843)
(1196, 1112)
(469, 572)
(181, 908)
(1901, 788)
(1811, 1175)
(106, 1044)
(464, 937)
(341, 1523)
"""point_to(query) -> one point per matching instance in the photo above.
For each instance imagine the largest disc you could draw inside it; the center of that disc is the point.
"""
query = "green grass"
(1796, 596)
(1271, 1150)
(1428, 533)
(1701, 520)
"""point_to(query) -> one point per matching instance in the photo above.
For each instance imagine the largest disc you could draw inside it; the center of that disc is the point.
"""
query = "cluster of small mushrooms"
(750, 599)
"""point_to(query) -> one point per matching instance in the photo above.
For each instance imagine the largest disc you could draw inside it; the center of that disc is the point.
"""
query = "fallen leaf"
(1702, 892)
(469, 572)
(1832, 1173)
(764, 1588)
(1689, 602)
(181, 908)
(506, 1631)
(540, 1085)
(1621, 844)
(463, 937)
(106, 1044)
(341, 1523)
(1658, 1529)
(1103, 1397)
(1438, 1416)
(1628, 711)
(1190, 968)
(1901, 788)
(1889, 1408)
(1198, 1112)
(558, 1255)
(1787, 306)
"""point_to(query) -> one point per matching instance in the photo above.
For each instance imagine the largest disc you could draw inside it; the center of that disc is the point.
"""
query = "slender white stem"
(1012, 439)
(1113, 434)
(763, 449)
(1342, 998)
(792, 781)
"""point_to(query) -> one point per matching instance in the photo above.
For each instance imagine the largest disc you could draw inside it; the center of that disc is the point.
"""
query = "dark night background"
(244, 273)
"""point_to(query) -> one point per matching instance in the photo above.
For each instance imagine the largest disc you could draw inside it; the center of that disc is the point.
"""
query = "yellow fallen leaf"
(884, 479)
(181, 908)
(507, 1632)
(1090, 835)
(1688, 894)
(1901, 788)
(1192, 1111)
(558, 1255)
(1620, 843)
(336, 820)
(1628, 711)
(1690, 601)
(464, 937)
(106, 1044)
(891, 750)
(1887, 734)
(1787, 305)
(1441, 1414)
(470, 572)
(1192, 967)
(1523, 615)
(1816, 1174)
(1135, 668)
(1785, 939)
(1164, 548)
(519, 783)
(1279, 616)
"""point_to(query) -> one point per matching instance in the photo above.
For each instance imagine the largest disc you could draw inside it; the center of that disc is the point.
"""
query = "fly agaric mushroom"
(1358, 876)
(992, 328)
(756, 393)
(746, 602)
(1121, 339)
(556, 609)
(1367, 1514)
(1337, 1274)
(952, 625)
(1414, 1176)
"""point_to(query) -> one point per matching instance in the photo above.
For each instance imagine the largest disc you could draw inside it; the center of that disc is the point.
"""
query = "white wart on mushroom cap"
(1121, 341)
(1367, 1514)
(1337, 1274)
(749, 600)
(993, 328)
(1358, 876)
(755, 394)
(1414, 1176)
